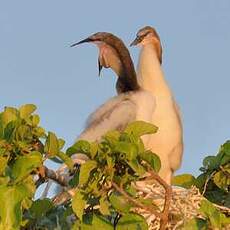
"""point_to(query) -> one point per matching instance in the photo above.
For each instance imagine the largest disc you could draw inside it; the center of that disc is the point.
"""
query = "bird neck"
(127, 81)
(127, 78)
(150, 74)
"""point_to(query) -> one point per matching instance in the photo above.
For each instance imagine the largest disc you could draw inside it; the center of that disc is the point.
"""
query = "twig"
(168, 197)
(135, 202)
(226, 173)
(64, 196)
(206, 182)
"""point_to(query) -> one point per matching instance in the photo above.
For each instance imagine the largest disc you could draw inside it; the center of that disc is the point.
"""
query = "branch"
(58, 178)
(135, 202)
(168, 197)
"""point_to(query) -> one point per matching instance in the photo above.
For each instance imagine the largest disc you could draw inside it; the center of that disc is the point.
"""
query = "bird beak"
(99, 67)
(82, 41)
(137, 40)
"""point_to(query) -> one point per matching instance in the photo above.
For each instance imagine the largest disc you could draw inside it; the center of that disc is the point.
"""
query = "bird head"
(108, 44)
(148, 35)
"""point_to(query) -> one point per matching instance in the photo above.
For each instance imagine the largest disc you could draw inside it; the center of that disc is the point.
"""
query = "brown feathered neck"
(127, 79)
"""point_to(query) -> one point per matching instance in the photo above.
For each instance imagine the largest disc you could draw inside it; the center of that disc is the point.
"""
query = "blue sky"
(38, 66)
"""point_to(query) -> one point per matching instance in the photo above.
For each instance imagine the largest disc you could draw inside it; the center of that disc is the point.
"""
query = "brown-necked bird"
(132, 103)
(168, 141)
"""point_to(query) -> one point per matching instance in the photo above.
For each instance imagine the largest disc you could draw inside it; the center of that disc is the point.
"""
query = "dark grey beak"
(82, 41)
(136, 41)
(99, 68)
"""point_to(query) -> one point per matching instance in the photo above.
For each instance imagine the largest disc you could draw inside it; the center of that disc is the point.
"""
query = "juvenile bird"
(168, 141)
(132, 103)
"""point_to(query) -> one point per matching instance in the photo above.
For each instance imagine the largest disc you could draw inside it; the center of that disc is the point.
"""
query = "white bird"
(168, 141)
(132, 103)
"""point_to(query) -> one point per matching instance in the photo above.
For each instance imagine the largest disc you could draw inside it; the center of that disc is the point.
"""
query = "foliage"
(22, 155)
(24, 146)
(214, 184)
(104, 195)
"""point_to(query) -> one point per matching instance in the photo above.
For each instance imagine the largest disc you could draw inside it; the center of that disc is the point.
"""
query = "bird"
(132, 102)
(167, 143)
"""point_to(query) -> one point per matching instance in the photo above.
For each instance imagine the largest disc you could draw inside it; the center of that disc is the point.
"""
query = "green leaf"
(11, 198)
(61, 143)
(23, 132)
(104, 206)
(97, 222)
(211, 162)
(26, 110)
(93, 149)
(152, 159)
(112, 137)
(66, 159)
(184, 180)
(130, 149)
(39, 208)
(80, 146)
(3, 164)
(85, 171)
(119, 202)
(52, 144)
(139, 128)
(24, 165)
(132, 221)
(136, 167)
(9, 114)
(196, 224)
(35, 120)
(78, 204)
(226, 148)
(222, 179)
(211, 213)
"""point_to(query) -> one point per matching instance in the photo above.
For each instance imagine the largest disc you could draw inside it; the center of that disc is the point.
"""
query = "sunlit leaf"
(35, 120)
(3, 164)
(196, 224)
(24, 165)
(222, 178)
(85, 171)
(61, 143)
(52, 145)
(130, 150)
(152, 159)
(104, 206)
(66, 159)
(184, 180)
(9, 114)
(26, 110)
(11, 198)
(140, 128)
(78, 204)
(80, 146)
(120, 203)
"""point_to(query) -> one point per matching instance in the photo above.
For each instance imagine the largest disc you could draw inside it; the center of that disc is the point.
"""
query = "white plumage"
(168, 141)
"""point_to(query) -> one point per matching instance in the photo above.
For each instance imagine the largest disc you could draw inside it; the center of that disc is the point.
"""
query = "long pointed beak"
(99, 68)
(136, 41)
(82, 41)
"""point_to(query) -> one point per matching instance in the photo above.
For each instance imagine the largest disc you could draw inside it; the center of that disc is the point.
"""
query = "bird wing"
(115, 114)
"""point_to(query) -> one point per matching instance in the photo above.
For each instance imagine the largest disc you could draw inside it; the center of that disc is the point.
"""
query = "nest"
(184, 206)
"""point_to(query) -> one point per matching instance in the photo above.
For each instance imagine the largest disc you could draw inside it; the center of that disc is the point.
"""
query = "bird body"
(133, 103)
(118, 112)
(168, 141)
